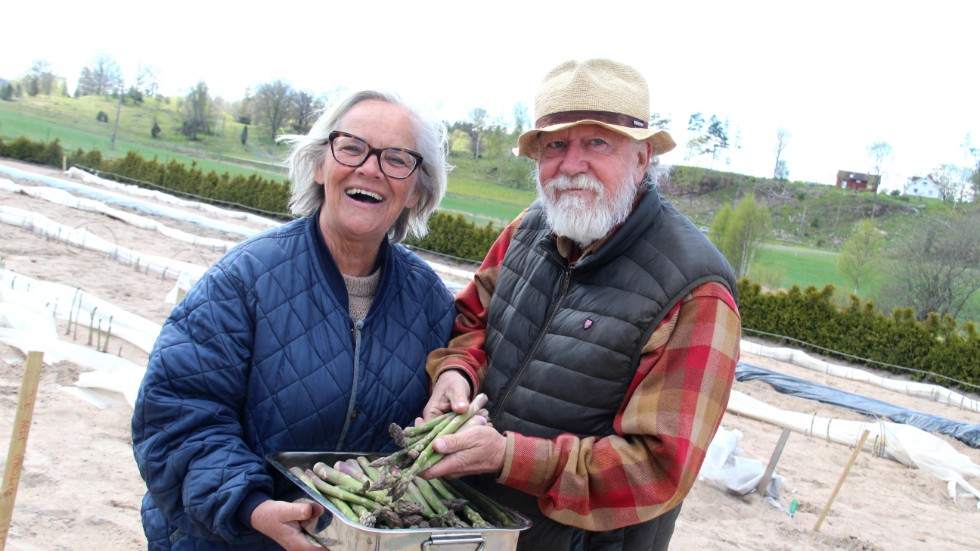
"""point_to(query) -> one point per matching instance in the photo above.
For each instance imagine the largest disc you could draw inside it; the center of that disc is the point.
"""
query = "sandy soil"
(80, 489)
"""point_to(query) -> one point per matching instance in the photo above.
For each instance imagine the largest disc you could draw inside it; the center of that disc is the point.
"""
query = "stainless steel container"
(338, 533)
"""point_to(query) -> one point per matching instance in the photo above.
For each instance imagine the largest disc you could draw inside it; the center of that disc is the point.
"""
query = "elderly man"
(602, 326)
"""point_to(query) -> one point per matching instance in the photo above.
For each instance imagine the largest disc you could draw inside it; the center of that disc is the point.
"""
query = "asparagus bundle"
(387, 493)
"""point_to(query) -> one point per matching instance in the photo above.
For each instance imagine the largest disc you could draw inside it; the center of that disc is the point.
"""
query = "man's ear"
(644, 154)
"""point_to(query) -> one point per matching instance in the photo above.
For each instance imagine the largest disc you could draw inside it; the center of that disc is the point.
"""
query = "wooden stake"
(840, 482)
(18, 440)
(772, 462)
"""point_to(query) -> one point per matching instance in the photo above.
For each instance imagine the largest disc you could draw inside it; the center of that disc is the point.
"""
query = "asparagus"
(349, 483)
(300, 474)
(428, 456)
(445, 514)
(499, 515)
(329, 490)
(370, 471)
(373, 493)
(471, 514)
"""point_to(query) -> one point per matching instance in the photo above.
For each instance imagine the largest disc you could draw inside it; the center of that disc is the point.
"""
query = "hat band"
(563, 117)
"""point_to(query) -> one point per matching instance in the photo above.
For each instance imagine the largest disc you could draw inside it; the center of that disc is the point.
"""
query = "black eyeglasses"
(396, 162)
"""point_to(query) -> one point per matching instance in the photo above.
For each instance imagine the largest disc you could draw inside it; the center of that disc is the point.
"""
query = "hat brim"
(660, 141)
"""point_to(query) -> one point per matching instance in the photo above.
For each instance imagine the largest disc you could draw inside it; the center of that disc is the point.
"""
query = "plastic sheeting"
(725, 467)
(926, 391)
(151, 207)
(964, 432)
(905, 444)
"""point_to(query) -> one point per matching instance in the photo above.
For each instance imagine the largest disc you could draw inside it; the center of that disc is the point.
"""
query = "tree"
(197, 111)
(273, 105)
(718, 137)
(243, 108)
(738, 232)
(40, 79)
(861, 254)
(659, 121)
(146, 84)
(478, 117)
(879, 153)
(695, 145)
(101, 77)
(155, 131)
(304, 107)
(780, 171)
(935, 269)
(953, 182)
(973, 153)
(522, 120)
(710, 140)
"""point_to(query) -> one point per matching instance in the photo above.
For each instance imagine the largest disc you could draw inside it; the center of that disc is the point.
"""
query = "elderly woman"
(312, 336)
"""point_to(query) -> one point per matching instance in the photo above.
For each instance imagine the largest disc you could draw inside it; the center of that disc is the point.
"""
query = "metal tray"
(338, 533)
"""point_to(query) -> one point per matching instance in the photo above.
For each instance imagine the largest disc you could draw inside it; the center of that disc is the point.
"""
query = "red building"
(856, 180)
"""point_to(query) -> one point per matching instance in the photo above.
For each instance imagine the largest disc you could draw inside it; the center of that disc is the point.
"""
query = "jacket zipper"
(356, 332)
(566, 278)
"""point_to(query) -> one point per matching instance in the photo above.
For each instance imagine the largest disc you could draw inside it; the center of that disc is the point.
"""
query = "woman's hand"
(283, 522)
(451, 392)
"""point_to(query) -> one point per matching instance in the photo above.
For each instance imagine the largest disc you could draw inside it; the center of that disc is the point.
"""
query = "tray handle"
(454, 539)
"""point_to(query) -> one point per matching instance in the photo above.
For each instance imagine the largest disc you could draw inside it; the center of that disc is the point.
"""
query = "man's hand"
(282, 521)
(476, 450)
(451, 392)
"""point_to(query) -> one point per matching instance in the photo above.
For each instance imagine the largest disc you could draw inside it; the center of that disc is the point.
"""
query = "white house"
(922, 186)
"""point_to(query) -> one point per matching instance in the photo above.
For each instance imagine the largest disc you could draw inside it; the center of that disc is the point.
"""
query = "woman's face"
(361, 203)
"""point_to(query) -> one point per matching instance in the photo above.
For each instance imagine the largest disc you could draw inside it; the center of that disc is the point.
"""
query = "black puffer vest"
(564, 343)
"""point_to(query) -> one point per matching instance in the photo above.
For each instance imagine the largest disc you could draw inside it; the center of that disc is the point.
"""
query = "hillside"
(809, 222)
(488, 189)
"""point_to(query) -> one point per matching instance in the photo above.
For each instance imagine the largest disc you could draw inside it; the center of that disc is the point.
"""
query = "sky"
(838, 76)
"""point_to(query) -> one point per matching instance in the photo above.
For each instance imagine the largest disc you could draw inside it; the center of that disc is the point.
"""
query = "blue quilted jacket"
(260, 357)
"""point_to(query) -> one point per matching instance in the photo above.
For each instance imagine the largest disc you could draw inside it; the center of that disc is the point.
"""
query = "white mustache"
(578, 182)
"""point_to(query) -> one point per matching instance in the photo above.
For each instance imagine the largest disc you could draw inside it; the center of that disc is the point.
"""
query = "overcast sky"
(837, 75)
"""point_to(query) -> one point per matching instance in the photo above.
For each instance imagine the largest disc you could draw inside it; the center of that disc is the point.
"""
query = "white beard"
(573, 217)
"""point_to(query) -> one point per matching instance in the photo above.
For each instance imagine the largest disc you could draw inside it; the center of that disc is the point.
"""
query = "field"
(80, 488)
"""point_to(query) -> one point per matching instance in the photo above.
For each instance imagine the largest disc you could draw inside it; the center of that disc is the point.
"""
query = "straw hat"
(596, 91)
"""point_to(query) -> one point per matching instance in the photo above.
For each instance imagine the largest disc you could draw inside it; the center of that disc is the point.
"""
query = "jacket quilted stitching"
(261, 357)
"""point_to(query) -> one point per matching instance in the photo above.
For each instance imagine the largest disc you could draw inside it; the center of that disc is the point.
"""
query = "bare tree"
(197, 111)
(522, 120)
(780, 171)
(478, 117)
(973, 153)
(304, 107)
(40, 79)
(953, 181)
(273, 105)
(935, 269)
(101, 77)
(146, 84)
(879, 153)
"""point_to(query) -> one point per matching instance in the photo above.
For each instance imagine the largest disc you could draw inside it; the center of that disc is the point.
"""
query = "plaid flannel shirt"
(671, 412)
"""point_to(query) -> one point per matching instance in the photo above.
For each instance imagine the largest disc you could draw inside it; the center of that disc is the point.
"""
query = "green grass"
(73, 123)
(802, 266)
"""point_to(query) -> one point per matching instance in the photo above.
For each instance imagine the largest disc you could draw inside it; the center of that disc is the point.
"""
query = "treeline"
(933, 345)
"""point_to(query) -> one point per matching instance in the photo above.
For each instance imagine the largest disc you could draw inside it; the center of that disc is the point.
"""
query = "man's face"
(587, 179)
